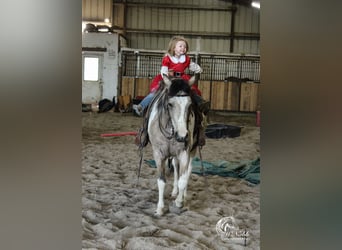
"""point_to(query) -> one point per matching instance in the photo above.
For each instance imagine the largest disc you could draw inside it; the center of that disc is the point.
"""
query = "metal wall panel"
(207, 3)
(178, 20)
(205, 23)
(247, 20)
(155, 42)
(150, 26)
(96, 10)
(246, 47)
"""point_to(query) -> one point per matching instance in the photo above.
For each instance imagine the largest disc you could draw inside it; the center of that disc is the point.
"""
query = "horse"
(172, 131)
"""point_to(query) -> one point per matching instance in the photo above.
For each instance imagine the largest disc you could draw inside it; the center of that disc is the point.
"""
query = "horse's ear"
(166, 80)
(193, 79)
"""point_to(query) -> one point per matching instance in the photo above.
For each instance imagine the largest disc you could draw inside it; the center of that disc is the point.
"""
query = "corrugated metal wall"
(149, 24)
(97, 10)
(206, 24)
(247, 21)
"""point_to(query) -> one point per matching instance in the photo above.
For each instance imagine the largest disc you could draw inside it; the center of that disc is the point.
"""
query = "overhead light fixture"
(106, 20)
(256, 4)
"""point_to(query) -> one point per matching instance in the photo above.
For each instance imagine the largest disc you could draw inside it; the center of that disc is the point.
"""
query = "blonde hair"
(172, 44)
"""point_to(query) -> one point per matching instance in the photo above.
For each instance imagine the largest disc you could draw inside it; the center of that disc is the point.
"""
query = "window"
(91, 69)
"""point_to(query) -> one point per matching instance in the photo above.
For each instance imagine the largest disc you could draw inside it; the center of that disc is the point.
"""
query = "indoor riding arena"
(123, 44)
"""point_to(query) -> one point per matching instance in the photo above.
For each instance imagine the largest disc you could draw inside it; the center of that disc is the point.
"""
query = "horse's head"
(179, 105)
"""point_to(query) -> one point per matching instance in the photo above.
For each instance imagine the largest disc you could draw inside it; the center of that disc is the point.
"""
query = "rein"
(164, 131)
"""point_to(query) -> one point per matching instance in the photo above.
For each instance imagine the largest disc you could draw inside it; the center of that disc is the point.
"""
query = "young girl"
(174, 63)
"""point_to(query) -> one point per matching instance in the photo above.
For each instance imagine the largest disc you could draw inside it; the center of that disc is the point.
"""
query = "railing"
(215, 67)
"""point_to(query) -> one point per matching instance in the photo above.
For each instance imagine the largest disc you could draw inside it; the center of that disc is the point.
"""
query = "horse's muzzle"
(181, 138)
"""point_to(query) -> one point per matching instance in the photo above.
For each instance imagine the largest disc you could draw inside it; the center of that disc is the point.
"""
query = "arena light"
(256, 4)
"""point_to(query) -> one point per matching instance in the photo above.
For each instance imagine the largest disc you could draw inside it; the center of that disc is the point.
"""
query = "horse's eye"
(169, 105)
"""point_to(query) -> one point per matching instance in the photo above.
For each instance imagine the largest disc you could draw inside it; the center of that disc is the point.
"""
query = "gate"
(229, 82)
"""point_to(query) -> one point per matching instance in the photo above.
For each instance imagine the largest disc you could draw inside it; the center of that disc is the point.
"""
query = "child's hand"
(171, 72)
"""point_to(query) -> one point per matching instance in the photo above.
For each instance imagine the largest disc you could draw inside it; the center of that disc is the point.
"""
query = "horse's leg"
(189, 169)
(161, 183)
(175, 165)
(189, 173)
(184, 175)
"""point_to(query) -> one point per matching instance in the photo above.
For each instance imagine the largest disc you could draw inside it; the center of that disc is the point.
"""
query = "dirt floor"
(116, 214)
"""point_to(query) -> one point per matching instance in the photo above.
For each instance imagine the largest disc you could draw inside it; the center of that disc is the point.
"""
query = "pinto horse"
(172, 131)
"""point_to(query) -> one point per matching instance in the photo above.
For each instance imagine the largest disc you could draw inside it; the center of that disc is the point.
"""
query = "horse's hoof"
(175, 209)
(160, 212)
(178, 204)
(157, 215)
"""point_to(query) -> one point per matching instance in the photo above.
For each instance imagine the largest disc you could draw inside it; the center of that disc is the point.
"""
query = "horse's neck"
(156, 117)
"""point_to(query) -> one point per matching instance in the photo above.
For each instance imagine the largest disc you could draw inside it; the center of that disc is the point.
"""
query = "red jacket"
(178, 67)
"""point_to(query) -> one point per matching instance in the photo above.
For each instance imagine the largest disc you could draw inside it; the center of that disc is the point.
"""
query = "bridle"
(170, 135)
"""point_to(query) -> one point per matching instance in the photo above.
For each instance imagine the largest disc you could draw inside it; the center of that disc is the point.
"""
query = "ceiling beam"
(183, 6)
(253, 36)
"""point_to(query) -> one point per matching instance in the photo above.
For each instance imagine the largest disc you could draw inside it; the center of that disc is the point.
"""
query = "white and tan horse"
(171, 131)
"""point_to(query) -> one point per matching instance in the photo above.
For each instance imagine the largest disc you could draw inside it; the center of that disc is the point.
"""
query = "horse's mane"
(179, 86)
